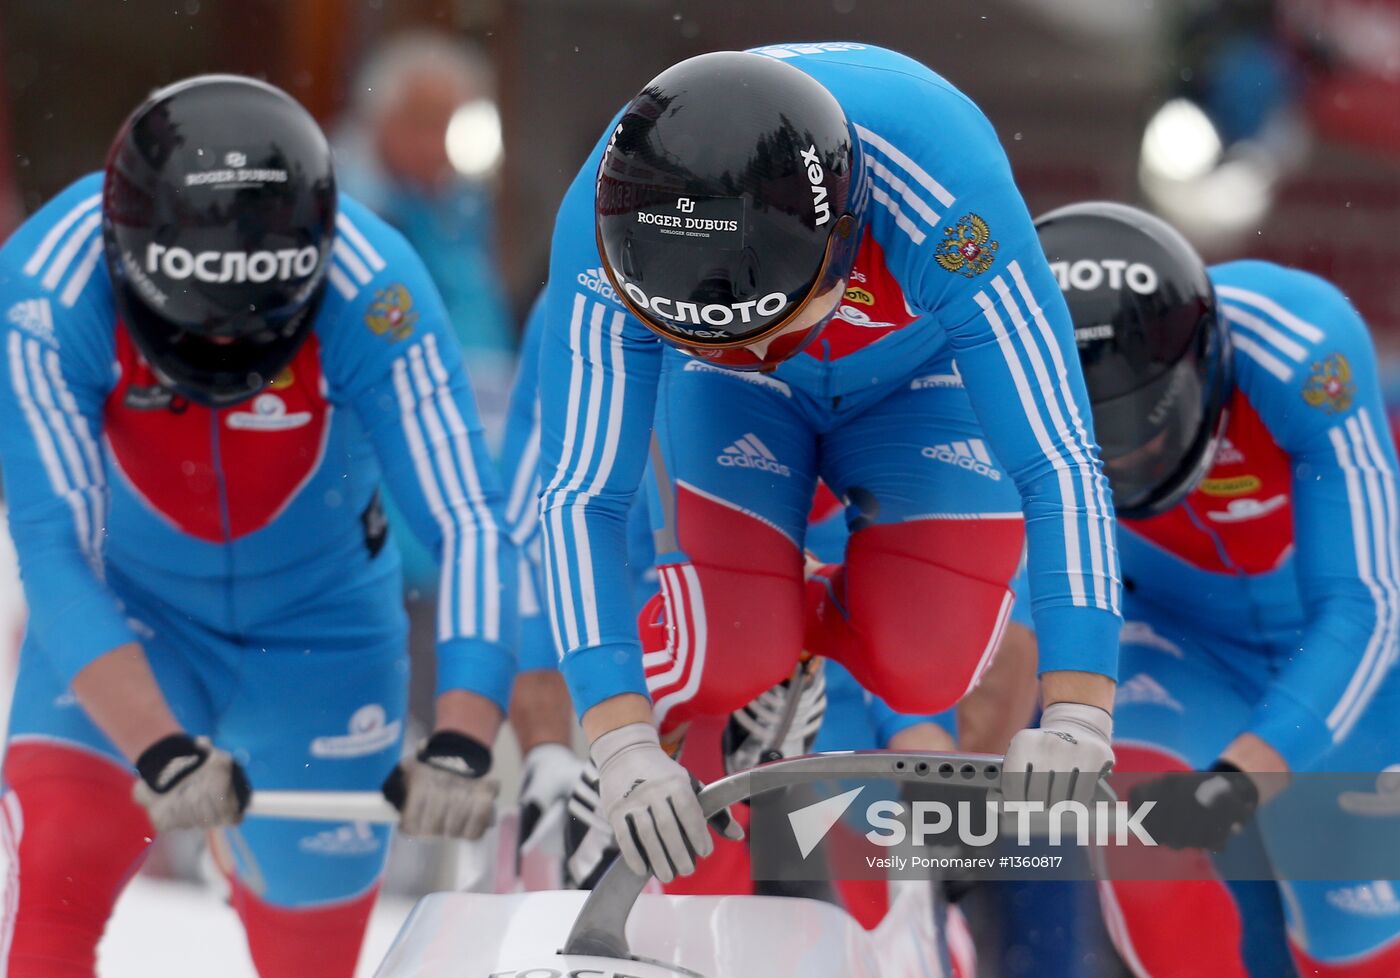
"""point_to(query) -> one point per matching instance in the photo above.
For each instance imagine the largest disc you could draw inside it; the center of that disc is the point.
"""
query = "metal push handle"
(325, 806)
(601, 926)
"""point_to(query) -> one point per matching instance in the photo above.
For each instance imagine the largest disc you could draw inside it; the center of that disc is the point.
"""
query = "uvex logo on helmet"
(816, 176)
(281, 265)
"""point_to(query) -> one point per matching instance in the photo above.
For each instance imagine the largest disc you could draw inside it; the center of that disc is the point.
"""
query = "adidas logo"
(1375, 899)
(750, 453)
(35, 317)
(1228, 454)
(354, 839)
(1141, 633)
(596, 280)
(1143, 689)
(971, 455)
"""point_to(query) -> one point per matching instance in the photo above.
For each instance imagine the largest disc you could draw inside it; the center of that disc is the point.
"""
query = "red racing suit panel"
(217, 474)
(1239, 520)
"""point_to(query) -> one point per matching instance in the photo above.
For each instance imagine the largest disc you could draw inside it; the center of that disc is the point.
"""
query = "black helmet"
(218, 216)
(727, 208)
(1155, 353)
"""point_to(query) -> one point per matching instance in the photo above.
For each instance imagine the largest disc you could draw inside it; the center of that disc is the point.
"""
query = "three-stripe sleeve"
(1292, 334)
(66, 256)
(1009, 328)
(598, 378)
(451, 479)
(520, 464)
(57, 497)
(58, 371)
(1073, 560)
(413, 396)
(1015, 351)
(599, 370)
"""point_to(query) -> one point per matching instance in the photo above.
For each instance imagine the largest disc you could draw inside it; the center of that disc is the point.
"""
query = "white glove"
(442, 790)
(1063, 759)
(650, 802)
(188, 783)
(589, 847)
(758, 726)
(550, 773)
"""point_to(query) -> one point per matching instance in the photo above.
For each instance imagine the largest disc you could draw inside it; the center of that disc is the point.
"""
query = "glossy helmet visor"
(727, 208)
(218, 218)
(1155, 355)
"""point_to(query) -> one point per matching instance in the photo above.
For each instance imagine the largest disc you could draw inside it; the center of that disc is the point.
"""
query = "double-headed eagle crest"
(1330, 387)
(967, 248)
(391, 314)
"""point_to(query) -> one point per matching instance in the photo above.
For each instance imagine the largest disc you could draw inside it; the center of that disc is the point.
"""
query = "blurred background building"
(1266, 128)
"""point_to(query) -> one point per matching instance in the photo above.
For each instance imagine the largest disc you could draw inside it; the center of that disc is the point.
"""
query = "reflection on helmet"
(726, 208)
(218, 217)
(1155, 354)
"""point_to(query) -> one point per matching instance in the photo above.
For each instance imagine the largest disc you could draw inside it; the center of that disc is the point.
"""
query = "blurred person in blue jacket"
(421, 146)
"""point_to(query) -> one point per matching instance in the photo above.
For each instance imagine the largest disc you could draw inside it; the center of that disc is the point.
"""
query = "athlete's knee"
(728, 635)
(73, 837)
(729, 620)
(1150, 921)
(752, 622)
(928, 600)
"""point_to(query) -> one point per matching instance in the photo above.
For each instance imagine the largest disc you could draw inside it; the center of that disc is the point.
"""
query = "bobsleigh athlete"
(212, 361)
(1240, 415)
(811, 261)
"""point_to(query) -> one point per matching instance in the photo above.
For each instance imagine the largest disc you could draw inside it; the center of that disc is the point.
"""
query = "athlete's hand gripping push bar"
(600, 928)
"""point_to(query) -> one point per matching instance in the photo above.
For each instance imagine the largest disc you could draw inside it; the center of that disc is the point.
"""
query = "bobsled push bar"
(324, 806)
(600, 928)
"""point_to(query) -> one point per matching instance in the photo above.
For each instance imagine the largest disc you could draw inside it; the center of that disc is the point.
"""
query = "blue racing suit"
(244, 547)
(949, 267)
(1268, 600)
(854, 720)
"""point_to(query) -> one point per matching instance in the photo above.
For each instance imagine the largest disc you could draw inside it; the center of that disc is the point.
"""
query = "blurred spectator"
(421, 145)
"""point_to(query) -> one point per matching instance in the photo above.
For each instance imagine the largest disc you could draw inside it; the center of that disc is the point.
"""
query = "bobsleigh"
(619, 931)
